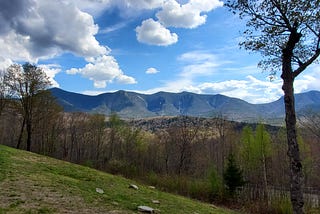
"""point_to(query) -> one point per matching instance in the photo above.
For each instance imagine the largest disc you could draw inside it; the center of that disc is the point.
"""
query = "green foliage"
(216, 183)
(246, 149)
(306, 158)
(255, 148)
(262, 146)
(114, 121)
(233, 177)
(281, 206)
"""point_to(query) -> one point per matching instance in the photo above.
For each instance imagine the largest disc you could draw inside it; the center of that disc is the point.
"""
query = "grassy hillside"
(31, 183)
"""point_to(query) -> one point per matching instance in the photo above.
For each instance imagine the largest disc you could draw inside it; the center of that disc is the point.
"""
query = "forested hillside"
(183, 155)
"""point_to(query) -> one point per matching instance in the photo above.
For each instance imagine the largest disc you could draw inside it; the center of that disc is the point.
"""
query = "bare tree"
(183, 135)
(287, 34)
(222, 127)
(311, 122)
(26, 83)
(4, 92)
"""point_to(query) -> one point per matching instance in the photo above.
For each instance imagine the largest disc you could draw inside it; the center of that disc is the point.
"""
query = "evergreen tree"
(233, 177)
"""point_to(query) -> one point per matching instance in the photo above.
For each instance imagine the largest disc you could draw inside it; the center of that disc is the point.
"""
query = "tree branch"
(306, 64)
(283, 15)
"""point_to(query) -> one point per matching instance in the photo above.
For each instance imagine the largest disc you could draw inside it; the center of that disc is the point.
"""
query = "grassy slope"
(31, 183)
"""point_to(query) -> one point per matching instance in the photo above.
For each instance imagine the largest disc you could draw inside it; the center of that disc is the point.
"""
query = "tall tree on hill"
(4, 93)
(26, 82)
(287, 34)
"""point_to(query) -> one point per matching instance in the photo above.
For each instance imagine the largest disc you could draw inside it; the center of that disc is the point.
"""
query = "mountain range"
(134, 105)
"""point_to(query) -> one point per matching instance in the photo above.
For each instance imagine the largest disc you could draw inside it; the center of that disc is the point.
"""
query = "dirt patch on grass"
(21, 195)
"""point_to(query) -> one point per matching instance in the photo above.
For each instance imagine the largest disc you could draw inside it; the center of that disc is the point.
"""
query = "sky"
(145, 46)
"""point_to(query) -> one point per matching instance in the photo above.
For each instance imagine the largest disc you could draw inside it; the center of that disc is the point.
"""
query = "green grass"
(30, 183)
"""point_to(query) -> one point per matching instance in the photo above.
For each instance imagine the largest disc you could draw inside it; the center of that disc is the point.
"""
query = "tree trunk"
(265, 179)
(29, 130)
(293, 149)
(21, 133)
(296, 174)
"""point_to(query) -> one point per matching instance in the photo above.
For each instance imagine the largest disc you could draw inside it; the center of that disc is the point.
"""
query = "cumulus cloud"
(32, 30)
(309, 80)
(153, 33)
(188, 15)
(51, 70)
(250, 89)
(103, 70)
(152, 71)
(173, 14)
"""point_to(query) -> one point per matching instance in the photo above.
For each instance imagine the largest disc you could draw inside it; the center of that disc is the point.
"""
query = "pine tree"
(233, 177)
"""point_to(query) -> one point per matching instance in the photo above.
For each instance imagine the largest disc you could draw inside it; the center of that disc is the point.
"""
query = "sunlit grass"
(32, 183)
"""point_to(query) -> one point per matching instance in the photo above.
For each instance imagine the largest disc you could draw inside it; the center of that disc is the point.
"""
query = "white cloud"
(248, 89)
(152, 71)
(124, 79)
(94, 93)
(15, 47)
(308, 80)
(173, 14)
(199, 63)
(177, 85)
(128, 8)
(51, 70)
(141, 4)
(103, 70)
(153, 33)
(94, 7)
(4, 63)
(196, 56)
(251, 89)
(189, 15)
(42, 29)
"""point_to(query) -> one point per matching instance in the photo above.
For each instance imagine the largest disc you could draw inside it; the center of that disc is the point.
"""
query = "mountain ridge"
(135, 105)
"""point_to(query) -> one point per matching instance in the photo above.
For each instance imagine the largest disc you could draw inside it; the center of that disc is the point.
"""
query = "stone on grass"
(155, 201)
(99, 190)
(145, 209)
(133, 186)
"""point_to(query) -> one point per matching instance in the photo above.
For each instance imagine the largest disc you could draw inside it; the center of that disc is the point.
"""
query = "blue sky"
(96, 46)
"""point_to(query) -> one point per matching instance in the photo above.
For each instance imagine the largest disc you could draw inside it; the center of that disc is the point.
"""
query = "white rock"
(98, 190)
(145, 209)
(134, 186)
(155, 201)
